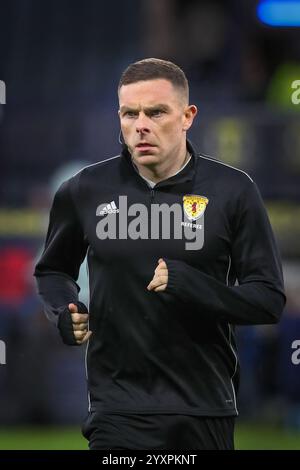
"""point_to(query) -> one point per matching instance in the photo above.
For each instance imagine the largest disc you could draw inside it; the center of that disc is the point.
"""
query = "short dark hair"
(152, 69)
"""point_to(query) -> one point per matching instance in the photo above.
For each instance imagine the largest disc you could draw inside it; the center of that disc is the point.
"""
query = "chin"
(145, 158)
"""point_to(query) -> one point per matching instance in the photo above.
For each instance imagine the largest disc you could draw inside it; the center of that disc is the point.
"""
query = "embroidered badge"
(194, 206)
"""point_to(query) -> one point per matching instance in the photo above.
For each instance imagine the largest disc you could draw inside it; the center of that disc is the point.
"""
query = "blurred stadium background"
(61, 61)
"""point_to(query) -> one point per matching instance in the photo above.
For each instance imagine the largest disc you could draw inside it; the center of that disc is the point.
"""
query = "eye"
(130, 114)
(156, 112)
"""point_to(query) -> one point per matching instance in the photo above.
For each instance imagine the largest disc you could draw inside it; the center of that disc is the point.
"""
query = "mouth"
(142, 146)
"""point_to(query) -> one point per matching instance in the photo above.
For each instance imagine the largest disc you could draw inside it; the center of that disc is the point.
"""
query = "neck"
(164, 169)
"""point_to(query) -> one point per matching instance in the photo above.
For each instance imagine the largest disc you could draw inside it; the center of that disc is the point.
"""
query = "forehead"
(148, 93)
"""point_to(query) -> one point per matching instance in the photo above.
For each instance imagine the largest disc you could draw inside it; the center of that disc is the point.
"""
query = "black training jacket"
(171, 351)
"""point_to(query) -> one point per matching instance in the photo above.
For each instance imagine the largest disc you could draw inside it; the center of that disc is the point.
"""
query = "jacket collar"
(186, 174)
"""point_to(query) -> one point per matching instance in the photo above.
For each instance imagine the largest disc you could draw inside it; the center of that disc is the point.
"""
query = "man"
(167, 234)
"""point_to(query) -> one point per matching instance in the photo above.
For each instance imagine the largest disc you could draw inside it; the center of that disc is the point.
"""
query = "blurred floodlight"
(279, 12)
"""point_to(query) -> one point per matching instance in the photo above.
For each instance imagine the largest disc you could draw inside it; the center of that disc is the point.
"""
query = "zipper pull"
(152, 195)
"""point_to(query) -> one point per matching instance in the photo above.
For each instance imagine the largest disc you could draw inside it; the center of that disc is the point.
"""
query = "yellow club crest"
(194, 206)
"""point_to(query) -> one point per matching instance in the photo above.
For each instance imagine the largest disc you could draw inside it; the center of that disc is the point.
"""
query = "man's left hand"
(160, 278)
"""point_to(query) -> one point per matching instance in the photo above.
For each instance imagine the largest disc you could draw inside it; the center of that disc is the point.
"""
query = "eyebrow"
(161, 106)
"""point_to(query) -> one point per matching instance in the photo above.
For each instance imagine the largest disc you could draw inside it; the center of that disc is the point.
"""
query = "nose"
(142, 126)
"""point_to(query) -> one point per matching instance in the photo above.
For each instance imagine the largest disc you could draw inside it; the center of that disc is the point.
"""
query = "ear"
(121, 139)
(189, 115)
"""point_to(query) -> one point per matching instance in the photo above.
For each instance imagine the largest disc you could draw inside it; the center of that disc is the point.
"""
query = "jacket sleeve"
(255, 263)
(57, 270)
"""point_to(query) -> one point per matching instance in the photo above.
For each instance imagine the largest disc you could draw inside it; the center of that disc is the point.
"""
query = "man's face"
(154, 119)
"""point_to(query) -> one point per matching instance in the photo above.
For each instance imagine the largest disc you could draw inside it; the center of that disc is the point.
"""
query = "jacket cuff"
(81, 306)
(175, 275)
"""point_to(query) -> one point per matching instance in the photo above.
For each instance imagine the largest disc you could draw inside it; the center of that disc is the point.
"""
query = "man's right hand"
(73, 324)
(80, 324)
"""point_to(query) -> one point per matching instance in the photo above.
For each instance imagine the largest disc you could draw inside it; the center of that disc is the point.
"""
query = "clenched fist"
(160, 278)
(73, 324)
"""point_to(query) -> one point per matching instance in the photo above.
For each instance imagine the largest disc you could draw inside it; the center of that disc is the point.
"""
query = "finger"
(80, 326)
(160, 288)
(161, 279)
(157, 281)
(152, 285)
(80, 317)
(86, 337)
(73, 308)
(161, 268)
(79, 335)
